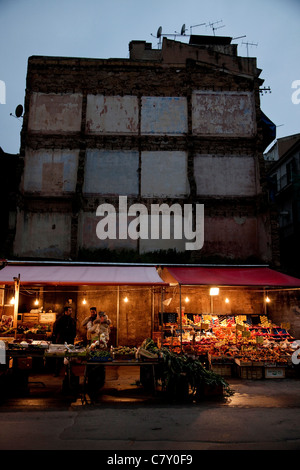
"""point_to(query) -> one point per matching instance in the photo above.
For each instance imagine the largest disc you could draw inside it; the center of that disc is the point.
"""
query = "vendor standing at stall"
(64, 328)
(64, 331)
(101, 327)
(88, 322)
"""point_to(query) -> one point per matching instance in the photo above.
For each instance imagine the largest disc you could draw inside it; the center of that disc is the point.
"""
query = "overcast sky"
(104, 28)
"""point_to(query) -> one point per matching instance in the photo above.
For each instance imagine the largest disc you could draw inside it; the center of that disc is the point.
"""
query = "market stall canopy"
(83, 275)
(228, 276)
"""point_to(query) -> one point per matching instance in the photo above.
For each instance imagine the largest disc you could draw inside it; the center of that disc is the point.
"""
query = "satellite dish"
(182, 32)
(19, 111)
(159, 31)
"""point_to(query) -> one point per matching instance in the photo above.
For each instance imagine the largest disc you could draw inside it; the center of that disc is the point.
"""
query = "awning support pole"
(118, 315)
(180, 318)
(162, 314)
(16, 304)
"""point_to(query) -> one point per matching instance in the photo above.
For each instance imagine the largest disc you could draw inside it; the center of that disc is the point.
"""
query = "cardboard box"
(274, 372)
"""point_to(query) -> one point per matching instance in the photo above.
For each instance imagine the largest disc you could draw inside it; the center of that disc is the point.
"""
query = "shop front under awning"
(80, 275)
(229, 276)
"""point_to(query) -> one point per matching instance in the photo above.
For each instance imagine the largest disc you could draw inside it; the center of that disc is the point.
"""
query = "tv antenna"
(196, 26)
(212, 26)
(247, 44)
(265, 90)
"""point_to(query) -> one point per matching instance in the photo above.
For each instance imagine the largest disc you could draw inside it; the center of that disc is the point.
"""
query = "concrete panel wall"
(223, 113)
(112, 114)
(163, 115)
(111, 172)
(87, 236)
(148, 245)
(231, 237)
(43, 235)
(50, 171)
(227, 175)
(55, 113)
(164, 174)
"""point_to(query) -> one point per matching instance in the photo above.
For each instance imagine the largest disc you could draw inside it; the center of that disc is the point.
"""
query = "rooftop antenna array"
(196, 26)
(212, 26)
(160, 34)
(247, 44)
(18, 112)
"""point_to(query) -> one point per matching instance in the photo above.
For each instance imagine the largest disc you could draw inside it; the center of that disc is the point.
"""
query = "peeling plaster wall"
(50, 171)
(87, 236)
(164, 115)
(225, 175)
(111, 172)
(111, 114)
(43, 235)
(55, 112)
(234, 236)
(223, 113)
(164, 174)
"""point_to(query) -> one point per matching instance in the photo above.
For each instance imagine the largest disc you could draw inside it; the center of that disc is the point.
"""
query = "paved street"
(261, 415)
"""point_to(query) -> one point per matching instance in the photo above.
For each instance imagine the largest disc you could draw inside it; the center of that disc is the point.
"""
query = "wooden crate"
(250, 372)
(225, 370)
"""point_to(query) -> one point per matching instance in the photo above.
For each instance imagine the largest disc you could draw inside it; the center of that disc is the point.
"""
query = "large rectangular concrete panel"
(111, 172)
(164, 174)
(50, 172)
(112, 114)
(55, 112)
(225, 175)
(231, 237)
(87, 234)
(43, 235)
(223, 113)
(164, 115)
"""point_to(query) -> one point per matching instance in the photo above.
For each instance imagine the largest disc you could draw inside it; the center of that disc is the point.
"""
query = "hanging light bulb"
(214, 291)
(12, 301)
(227, 300)
(187, 299)
(268, 299)
(126, 299)
(36, 302)
(84, 301)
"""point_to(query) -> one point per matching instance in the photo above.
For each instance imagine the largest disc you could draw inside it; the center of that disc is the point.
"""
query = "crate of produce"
(225, 370)
(249, 370)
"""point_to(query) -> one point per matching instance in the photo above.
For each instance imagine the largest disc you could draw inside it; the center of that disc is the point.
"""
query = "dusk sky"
(103, 29)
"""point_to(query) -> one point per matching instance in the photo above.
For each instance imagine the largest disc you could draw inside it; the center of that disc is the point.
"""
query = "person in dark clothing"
(64, 331)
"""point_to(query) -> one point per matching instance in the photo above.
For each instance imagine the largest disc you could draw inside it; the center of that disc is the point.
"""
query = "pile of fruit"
(123, 352)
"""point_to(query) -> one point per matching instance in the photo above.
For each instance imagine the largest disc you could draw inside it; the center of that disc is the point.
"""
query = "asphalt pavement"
(260, 415)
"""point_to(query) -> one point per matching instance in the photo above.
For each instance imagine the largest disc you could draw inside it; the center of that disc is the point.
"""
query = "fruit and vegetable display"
(123, 352)
(100, 355)
(228, 337)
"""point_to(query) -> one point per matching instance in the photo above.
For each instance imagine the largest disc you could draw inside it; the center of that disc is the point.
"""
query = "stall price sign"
(259, 339)
(240, 327)
(48, 317)
(246, 334)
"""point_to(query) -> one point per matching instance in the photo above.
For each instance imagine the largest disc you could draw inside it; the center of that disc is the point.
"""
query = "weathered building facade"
(283, 163)
(176, 125)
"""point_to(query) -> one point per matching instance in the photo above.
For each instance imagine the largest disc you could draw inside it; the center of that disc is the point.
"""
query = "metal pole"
(180, 318)
(118, 315)
(152, 310)
(162, 314)
(16, 304)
